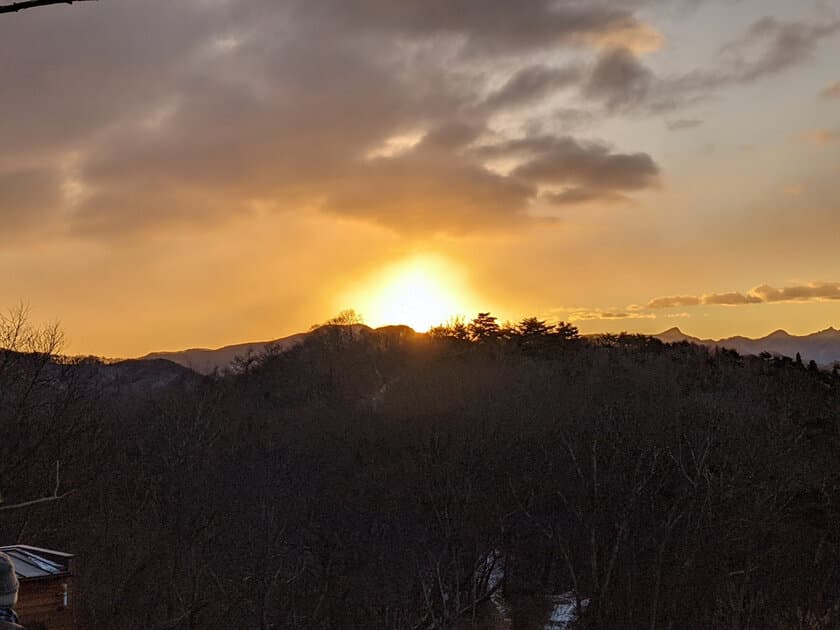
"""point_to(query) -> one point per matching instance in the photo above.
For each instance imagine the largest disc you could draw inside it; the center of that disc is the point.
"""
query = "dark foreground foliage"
(362, 479)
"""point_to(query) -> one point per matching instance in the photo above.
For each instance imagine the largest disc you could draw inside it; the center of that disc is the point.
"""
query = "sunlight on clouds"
(395, 145)
(638, 38)
(420, 292)
(227, 44)
(73, 189)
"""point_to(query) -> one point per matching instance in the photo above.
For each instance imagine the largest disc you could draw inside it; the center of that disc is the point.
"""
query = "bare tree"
(31, 4)
(29, 356)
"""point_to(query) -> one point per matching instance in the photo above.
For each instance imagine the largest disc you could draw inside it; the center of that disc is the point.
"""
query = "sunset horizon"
(212, 173)
(420, 314)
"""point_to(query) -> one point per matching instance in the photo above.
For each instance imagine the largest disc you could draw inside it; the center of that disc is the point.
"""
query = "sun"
(421, 292)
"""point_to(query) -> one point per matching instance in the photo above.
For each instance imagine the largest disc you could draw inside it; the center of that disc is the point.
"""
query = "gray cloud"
(802, 293)
(587, 170)
(622, 82)
(577, 195)
(781, 45)
(490, 26)
(730, 299)
(532, 84)
(681, 125)
(815, 291)
(190, 113)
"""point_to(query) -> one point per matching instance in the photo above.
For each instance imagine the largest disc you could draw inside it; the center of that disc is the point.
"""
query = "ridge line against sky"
(218, 171)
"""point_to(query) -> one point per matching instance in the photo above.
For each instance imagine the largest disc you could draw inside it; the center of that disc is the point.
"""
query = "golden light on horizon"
(421, 292)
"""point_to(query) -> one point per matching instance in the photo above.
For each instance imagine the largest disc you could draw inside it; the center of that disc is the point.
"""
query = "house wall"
(40, 605)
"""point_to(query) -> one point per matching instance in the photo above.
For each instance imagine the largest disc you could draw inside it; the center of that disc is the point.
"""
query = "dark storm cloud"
(195, 111)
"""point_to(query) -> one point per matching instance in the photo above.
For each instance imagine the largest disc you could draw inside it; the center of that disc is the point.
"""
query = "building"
(44, 600)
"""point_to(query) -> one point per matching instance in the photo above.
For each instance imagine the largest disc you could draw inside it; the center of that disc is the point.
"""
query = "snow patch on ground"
(565, 611)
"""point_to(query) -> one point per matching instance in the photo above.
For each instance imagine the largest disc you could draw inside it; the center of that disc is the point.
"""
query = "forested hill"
(363, 481)
(822, 347)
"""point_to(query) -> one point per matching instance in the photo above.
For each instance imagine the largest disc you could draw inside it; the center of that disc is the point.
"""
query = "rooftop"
(32, 563)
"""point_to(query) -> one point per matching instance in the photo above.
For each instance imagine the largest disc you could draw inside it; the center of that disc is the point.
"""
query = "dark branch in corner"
(55, 496)
(31, 4)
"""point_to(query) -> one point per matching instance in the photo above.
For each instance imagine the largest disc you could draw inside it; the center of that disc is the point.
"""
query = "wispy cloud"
(584, 314)
(674, 301)
(622, 82)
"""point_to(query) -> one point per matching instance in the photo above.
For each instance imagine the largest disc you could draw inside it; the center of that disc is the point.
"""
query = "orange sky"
(201, 173)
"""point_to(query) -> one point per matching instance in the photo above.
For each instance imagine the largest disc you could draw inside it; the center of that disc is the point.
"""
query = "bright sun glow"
(420, 293)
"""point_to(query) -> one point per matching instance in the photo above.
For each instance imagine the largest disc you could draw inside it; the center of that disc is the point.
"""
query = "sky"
(207, 172)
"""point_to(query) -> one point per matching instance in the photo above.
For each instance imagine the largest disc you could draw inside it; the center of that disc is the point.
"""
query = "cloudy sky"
(204, 172)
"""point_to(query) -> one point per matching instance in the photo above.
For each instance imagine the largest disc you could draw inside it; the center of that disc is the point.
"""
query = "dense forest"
(380, 478)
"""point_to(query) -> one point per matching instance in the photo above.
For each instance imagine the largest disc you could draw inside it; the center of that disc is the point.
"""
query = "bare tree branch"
(31, 4)
(26, 504)
(55, 496)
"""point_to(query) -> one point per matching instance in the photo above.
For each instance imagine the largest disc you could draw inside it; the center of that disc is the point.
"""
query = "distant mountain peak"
(829, 333)
(675, 335)
(822, 347)
(778, 334)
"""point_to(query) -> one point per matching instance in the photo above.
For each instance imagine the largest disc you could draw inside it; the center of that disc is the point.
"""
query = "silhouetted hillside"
(385, 479)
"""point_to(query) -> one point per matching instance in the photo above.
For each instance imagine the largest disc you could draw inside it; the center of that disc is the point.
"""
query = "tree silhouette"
(531, 327)
(484, 327)
(31, 4)
(564, 330)
(455, 328)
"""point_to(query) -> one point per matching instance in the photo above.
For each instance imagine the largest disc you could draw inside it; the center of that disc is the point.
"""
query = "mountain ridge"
(823, 346)
(209, 360)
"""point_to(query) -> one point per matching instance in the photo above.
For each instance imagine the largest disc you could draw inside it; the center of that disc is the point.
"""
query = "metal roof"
(34, 563)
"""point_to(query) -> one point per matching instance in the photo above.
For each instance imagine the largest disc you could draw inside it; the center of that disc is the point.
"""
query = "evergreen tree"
(484, 327)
